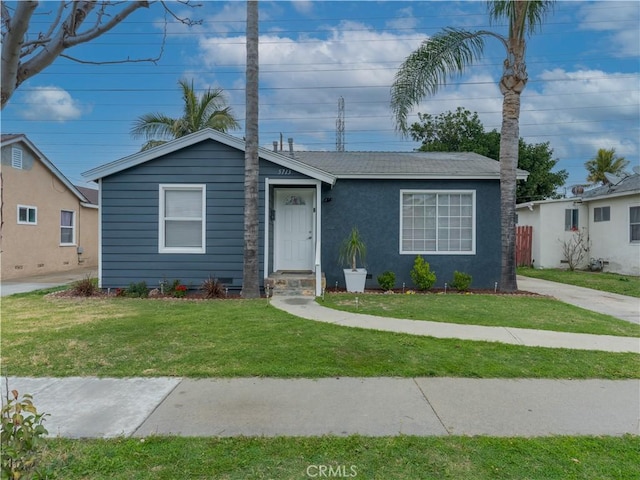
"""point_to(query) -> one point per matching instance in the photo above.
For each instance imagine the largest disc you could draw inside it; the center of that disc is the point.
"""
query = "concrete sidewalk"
(138, 407)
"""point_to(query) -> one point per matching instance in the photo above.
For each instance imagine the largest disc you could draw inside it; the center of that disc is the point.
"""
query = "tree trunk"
(509, 138)
(251, 284)
(512, 83)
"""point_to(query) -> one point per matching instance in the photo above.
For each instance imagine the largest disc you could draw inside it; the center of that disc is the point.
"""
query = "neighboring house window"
(16, 158)
(601, 214)
(437, 222)
(67, 227)
(182, 219)
(571, 219)
(634, 224)
(27, 215)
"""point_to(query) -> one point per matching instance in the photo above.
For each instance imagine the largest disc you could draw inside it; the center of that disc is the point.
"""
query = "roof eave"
(188, 140)
(46, 162)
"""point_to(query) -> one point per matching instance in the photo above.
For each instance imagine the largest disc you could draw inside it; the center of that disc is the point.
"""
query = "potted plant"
(352, 248)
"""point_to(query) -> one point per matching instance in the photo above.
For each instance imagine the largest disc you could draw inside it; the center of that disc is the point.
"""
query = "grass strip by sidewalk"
(404, 457)
(534, 312)
(604, 281)
(43, 336)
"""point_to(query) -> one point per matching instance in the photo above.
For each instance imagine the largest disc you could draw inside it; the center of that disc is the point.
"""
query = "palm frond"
(534, 13)
(153, 125)
(443, 56)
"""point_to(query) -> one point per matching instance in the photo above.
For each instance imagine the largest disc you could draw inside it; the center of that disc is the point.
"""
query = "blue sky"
(583, 92)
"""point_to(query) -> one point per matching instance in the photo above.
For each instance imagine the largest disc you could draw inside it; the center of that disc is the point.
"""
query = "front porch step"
(293, 283)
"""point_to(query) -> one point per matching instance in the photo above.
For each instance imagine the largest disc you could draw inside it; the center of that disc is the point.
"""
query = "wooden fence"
(524, 235)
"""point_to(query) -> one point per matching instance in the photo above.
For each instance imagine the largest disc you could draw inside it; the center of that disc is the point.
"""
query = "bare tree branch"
(22, 58)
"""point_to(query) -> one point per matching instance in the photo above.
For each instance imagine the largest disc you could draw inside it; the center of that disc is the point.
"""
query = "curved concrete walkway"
(307, 307)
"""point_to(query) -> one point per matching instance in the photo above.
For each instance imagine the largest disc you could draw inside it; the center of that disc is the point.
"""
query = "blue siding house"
(176, 212)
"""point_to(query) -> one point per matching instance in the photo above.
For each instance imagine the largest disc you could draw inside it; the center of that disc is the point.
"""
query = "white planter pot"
(355, 279)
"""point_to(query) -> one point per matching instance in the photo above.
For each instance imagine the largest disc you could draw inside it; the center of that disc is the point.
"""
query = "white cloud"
(619, 18)
(51, 103)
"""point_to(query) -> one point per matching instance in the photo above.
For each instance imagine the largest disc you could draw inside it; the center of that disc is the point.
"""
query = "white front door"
(294, 233)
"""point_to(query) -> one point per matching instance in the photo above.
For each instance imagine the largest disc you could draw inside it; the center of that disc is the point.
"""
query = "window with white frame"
(16, 157)
(67, 227)
(571, 219)
(27, 215)
(634, 224)
(437, 222)
(182, 218)
(602, 214)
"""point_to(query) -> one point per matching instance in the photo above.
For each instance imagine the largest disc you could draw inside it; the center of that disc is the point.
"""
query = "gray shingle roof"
(423, 164)
(629, 184)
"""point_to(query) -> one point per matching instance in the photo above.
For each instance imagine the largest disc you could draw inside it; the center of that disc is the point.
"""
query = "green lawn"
(491, 310)
(458, 458)
(607, 282)
(44, 336)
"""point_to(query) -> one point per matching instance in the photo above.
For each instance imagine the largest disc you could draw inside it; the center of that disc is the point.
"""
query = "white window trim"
(631, 242)
(161, 217)
(437, 252)
(73, 228)
(28, 207)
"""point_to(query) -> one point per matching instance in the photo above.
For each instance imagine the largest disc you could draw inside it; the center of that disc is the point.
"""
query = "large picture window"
(182, 219)
(437, 222)
(67, 227)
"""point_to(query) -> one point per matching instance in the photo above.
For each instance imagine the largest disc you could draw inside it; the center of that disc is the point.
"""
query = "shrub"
(139, 290)
(20, 437)
(85, 287)
(422, 275)
(212, 288)
(174, 289)
(387, 280)
(461, 281)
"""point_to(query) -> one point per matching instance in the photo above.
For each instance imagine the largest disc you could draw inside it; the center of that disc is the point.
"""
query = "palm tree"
(446, 55)
(210, 110)
(606, 161)
(250, 271)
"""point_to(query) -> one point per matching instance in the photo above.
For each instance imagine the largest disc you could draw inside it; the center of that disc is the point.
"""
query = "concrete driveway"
(39, 282)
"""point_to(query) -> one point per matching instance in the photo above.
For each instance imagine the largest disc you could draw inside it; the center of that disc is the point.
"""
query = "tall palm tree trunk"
(250, 282)
(512, 83)
(509, 139)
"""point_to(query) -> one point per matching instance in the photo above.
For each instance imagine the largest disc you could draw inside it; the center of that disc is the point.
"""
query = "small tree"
(575, 249)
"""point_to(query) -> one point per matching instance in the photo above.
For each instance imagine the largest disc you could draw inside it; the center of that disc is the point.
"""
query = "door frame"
(270, 184)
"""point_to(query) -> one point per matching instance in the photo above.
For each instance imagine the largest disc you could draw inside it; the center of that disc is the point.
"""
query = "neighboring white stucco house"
(609, 216)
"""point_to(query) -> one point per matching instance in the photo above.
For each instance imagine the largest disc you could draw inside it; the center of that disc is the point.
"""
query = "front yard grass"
(47, 336)
(403, 457)
(604, 281)
(535, 312)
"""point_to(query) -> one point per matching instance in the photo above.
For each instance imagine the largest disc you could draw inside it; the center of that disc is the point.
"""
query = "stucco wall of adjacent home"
(549, 235)
(35, 249)
(610, 240)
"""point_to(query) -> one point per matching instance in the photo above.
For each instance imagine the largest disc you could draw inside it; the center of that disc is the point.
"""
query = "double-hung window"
(601, 214)
(182, 218)
(67, 227)
(571, 219)
(27, 215)
(437, 222)
(634, 224)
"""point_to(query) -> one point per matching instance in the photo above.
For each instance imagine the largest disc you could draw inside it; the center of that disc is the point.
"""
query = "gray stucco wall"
(130, 209)
(374, 207)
